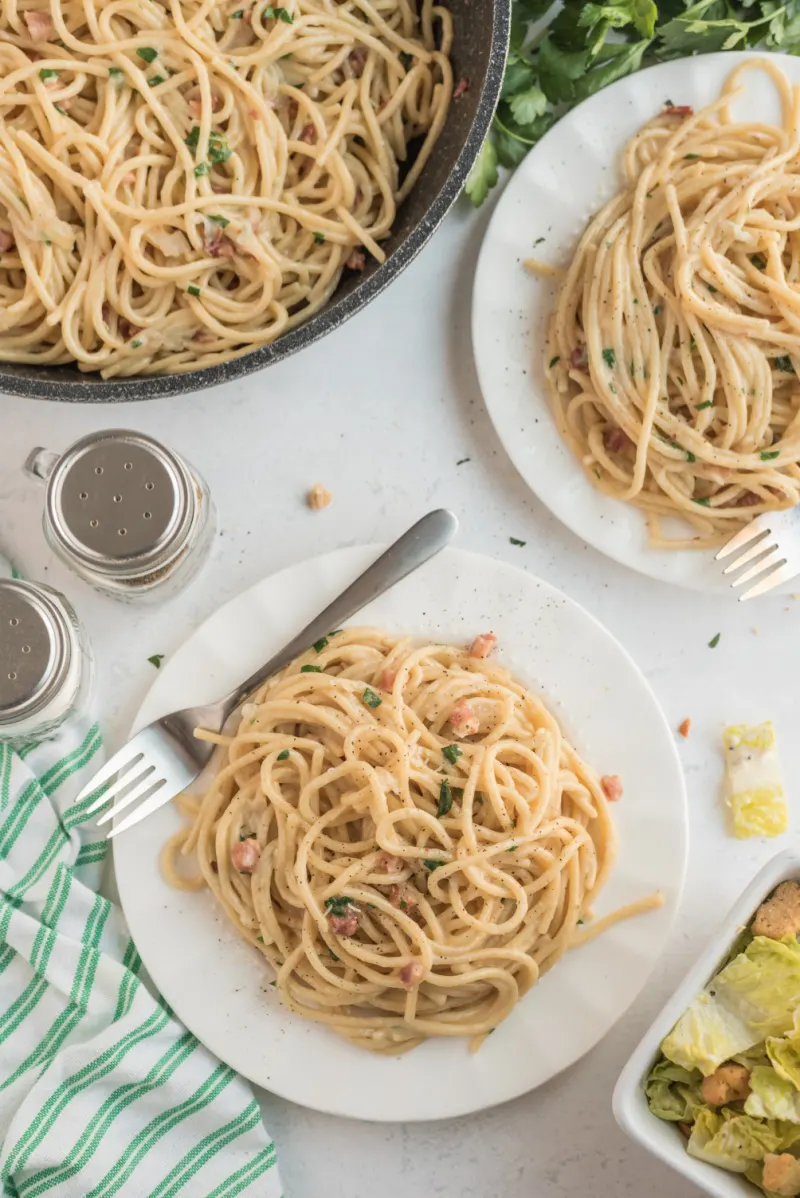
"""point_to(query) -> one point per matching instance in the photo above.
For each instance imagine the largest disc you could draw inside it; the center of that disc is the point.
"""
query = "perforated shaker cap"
(35, 649)
(120, 503)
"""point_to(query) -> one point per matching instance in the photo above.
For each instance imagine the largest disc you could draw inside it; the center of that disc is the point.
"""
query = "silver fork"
(772, 544)
(162, 759)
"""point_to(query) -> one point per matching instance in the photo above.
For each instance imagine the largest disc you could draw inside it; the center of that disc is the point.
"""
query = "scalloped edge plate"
(220, 988)
(564, 180)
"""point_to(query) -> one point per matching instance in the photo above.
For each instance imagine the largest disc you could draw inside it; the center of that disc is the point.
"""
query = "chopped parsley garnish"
(114, 72)
(193, 138)
(193, 290)
(222, 221)
(154, 82)
(237, 16)
(147, 53)
(712, 644)
(692, 344)
(769, 455)
(406, 60)
(609, 357)
(333, 955)
(689, 157)
(433, 864)
(784, 363)
(311, 670)
(46, 74)
(321, 644)
(277, 14)
(690, 456)
(282, 756)
(319, 238)
(370, 698)
(200, 170)
(657, 309)
(516, 541)
(706, 502)
(452, 753)
(339, 904)
(553, 361)
(708, 403)
(712, 288)
(461, 461)
(218, 148)
(135, 344)
(58, 108)
(445, 798)
(48, 242)
(538, 241)
(759, 261)
(156, 660)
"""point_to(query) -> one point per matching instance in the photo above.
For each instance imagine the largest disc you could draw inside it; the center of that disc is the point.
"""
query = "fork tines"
(760, 546)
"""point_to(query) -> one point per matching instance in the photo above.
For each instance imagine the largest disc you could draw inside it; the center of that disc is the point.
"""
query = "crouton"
(729, 1083)
(780, 914)
(781, 1174)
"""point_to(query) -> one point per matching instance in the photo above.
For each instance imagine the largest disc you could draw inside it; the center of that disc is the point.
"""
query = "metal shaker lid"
(120, 502)
(35, 649)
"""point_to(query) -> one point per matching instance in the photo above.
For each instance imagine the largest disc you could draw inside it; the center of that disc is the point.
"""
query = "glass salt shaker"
(45, 662)
(127, 514)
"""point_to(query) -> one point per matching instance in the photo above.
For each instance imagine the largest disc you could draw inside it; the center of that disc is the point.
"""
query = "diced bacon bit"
(463, 719)
(294, 108)
(216, 244)
(203, 335)
(40, 26)
(387, 680)
(355, 62)
(6, 241)
(196, 104)
(412, 974)
(684, 728)
(232, 283)
(579, 359)
(402, 898)
(462, 87)
(318, 497)
(616, 439)
(678, 110)
(309, 134)
(245, 855)
(389, 863)
(612, 787)
(747, 499)
(483, 644)
(127, 329)
(357, 260)
(344, 925)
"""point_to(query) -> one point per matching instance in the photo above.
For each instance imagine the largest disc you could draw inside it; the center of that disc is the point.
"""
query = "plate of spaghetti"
(448, 841)
(649, 353)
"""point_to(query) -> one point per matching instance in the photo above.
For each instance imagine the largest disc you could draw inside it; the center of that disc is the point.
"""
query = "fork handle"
(422, 541)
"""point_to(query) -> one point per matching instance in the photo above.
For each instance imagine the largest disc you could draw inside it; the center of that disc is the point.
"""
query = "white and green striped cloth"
(102, 1091)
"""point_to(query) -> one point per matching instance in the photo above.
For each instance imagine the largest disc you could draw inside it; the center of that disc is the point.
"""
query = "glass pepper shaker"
(127, 514)
(45, 662)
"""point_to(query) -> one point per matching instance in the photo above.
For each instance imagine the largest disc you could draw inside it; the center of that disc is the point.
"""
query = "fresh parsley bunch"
(562, 53)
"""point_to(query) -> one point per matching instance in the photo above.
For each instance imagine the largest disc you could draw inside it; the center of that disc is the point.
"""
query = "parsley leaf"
(767, 456)
(200, 170)
(193, 138)
(277, 14)
(515, 541)
(222, 221)
(712, 644)
(445, 798)
(156, 660)
(433, 864)
(311, 670)
(785, 364)
(452, 753)
(46, 74)
(147, 53)
(321, 644)
(114, 72)
(282, 756)
(370, 698)
(708, 403)
(193, 290)
(319, 238)
(609, 357)
(527, 105)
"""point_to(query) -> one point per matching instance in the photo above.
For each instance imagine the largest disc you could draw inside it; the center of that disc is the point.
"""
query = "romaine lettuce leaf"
(706, 1035)
(762, 985)
(733, 1141)
(772, 1096)
(673, 1093)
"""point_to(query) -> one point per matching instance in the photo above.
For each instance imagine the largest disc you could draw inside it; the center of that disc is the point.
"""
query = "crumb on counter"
(612, 787)
(728, 1083)
(779, 915)
(684, 728)
(318, 497)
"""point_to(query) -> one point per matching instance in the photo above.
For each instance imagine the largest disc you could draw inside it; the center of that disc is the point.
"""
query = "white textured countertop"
(380, 412)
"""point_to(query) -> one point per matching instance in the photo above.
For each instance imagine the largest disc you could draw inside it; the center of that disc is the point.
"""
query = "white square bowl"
(630, 1104)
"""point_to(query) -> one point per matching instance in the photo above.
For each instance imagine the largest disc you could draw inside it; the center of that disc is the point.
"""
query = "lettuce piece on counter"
(752, 998)
(755, 788)
(772, 1096)
(733, 1141)
(673, 1093)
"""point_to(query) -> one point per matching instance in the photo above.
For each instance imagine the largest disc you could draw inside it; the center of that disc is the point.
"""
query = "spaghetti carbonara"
(404, 834)
(182, 182)
(675, 340)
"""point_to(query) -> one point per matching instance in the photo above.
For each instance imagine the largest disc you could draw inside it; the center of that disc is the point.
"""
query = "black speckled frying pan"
(479, 54)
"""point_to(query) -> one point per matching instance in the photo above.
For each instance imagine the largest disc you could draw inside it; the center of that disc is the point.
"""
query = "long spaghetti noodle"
(404, 834)
(183, 182)
(674, 345)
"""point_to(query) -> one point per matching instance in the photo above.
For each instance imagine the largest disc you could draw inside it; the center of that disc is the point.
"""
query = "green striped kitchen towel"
(102, 1091)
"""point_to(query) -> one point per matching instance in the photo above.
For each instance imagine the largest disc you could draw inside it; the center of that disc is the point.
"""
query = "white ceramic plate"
(220, 988)
(564, 180)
